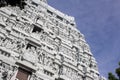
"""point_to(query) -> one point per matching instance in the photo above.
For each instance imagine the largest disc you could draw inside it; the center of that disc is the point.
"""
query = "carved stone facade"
(41, 43)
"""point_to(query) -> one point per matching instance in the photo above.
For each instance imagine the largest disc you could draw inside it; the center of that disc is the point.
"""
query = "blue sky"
(99, 21)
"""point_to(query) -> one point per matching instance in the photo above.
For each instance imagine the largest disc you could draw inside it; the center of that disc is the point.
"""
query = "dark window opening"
(30, 45)
(49, 48)
(60, 18)
(37, 29)
(51, 33)
(34, 3)
(90, 65)
(59, 79)
(72, 24)
(51, 13)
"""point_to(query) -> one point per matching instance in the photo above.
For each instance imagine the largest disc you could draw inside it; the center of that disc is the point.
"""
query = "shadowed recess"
(19, 3)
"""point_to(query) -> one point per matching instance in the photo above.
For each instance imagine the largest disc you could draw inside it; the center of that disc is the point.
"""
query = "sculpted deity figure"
(42, 38)
(20, 46)
(56, 48)
(49, 62)
(56, 68)
(4, 75)
(45, 60)
(71, 38)
(12, 74)
(9, 44)
(40, 56)
(61, 70)
(1, 41)
(64, 70)
(26, 53)
(5, 41)
(2, 19)
(14, 45)
(33, 77)
(27, 27)
(86, 48)
(79, 77)
(31, 55)
(68, 72)
(36, 35)
(34, 53)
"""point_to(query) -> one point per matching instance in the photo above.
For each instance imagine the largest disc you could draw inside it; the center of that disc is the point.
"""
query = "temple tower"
(42, 43)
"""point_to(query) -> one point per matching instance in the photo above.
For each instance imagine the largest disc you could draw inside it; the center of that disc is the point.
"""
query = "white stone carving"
(31, 55)
(57, 45)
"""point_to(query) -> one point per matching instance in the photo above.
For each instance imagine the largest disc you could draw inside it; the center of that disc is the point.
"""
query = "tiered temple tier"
(43, 44)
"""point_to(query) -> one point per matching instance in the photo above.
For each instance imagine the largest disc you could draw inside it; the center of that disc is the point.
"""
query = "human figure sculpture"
(2, 20)
(4, 75)
(13, 73)
(56, 68)
(5, 41)
(9, 44)
(45, 60)
(34, 53)
(10, 74)
(1, 41)
(64, 70)
(40, 56)
(14, 46)
(33, 77)
(31, 55)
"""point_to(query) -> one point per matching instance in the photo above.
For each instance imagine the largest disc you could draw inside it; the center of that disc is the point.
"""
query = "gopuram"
(42, 43)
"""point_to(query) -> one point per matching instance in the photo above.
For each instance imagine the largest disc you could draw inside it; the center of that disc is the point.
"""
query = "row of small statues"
(70, 72)
(11, 73)
(14, 45)
(37, 18)
(31, 54)
(28, 28)
(20, 47)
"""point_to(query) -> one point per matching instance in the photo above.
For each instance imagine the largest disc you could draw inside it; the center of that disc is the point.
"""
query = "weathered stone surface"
(43, 44)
